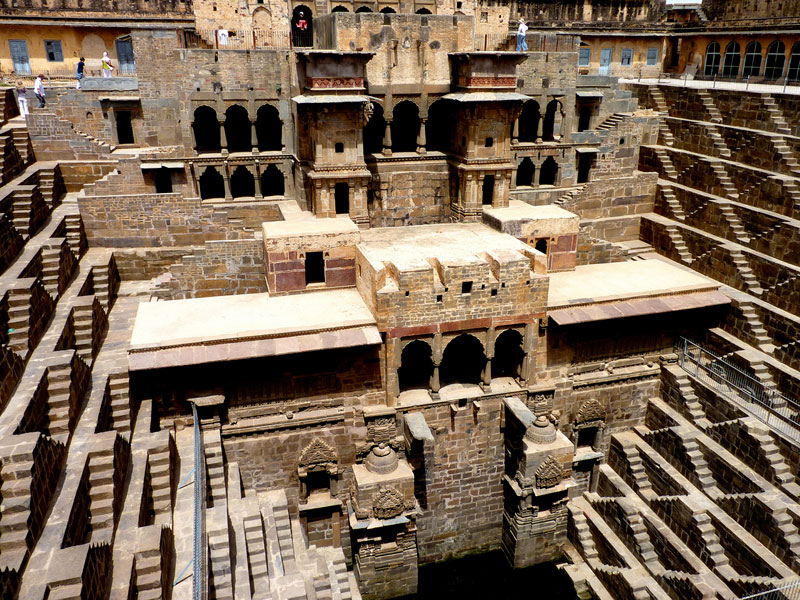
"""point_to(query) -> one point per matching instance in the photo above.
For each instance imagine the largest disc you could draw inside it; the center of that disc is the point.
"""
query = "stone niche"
(537, 484)
(477, 71)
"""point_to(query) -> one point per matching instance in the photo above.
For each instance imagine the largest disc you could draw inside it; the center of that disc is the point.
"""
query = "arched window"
(272, 183)
(242, 183)
(388, 11)
(508, 355)
(364, 9)
(463, 361)
(752, 60)
(237, 129)
(529, 121)
(733, 59)
(423, 11)
(302, 27)
(549, 125)
(525, 172)
(206, 129)
(405, 127)
(340, 8)
(212, 184)
(416, 366)
(776, 60)
(374, 131)
(712, 59)
(439, 125)
(269, 129)
(548, 172)
(793, 74)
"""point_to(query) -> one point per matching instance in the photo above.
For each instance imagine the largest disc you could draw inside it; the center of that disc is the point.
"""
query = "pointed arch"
(272, 182)
(242, 183)
(206, 130)
(463, 360)
(212, 184)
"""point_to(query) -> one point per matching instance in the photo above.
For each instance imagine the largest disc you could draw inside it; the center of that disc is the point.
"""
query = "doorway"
(124, 127)
(605, 61)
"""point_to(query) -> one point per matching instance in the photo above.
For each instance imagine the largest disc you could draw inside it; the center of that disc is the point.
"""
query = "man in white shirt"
(522, 45)
(38, 89)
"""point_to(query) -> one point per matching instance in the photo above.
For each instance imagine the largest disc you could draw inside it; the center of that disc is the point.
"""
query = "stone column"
(223, 140)
(515, 132)
(387, 139)
(527, 349)
(253, 137)
(226, 178)
(437, 361)
(194, 137)
(539, 127)
(421, 141)
(257, 178)
(487, 369)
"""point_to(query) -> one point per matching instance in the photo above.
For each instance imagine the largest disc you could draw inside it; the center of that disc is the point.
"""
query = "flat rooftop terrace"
(410, 248)
(203, 330)
(633, 288)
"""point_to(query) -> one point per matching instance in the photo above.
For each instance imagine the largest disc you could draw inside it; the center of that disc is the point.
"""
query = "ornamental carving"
(549, 473)
(325, 83)
(490, 82)
(591, 410)
(387, 504)
(317, 455)
(382, 429)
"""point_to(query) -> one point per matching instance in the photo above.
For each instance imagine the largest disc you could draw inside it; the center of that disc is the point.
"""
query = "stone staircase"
(667, 168)
(19, 305)
(51, 266)
(569, 197)
(147, 567)
(776, 114)
(215, 468)
(672, 201)
(742, 265)
(101, 492)
(161, 459)
(62, 411)
(711, 109)
(762, 338)
(75, 236)
(725, 182)
(719, 142)
(786, 155)
(220, 564)
(121, 414)
(612, 121)
(735, 225)
(256, 553)
(83, 318)
(678, 244)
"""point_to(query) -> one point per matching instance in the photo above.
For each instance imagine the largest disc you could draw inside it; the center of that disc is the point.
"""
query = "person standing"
(22, 98)
(79, 72)
(38, 89)
(106, 65)
(522, 44)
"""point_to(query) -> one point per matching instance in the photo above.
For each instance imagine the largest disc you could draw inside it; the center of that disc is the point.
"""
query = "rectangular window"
(315, 268)
(627, 57)
(53, 50)
(584, 57)
(652, 56)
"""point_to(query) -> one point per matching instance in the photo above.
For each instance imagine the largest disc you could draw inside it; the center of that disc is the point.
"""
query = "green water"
(489, 577)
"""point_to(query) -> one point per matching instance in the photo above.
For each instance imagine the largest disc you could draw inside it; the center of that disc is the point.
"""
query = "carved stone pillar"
(223, 140)
(421, 141)
(253, 137)
(515, 132)
(257, 181)
(437, 361)
(387, 139)
(226, 179)
(539, 127)
(194, 137)
(527, 349)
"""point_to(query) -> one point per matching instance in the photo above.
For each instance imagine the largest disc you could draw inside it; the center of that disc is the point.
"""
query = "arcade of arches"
(464, 360)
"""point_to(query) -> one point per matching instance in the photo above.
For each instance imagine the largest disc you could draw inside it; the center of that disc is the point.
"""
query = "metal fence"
(200, 555)
(789, 591)
(778, 411)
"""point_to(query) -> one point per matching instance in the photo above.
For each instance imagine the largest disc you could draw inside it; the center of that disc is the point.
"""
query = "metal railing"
(247, 39)
(779, 412)
(790, 591)
(199, 556)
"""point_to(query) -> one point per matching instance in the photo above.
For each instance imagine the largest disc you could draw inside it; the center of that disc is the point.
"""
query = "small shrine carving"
(549, 473)
(591, 410)
(388, 503)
